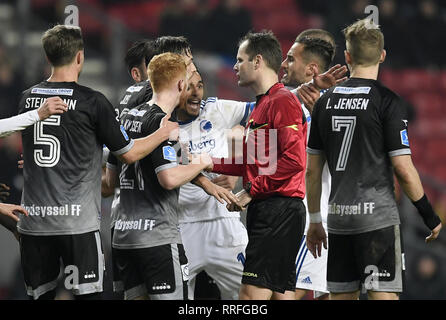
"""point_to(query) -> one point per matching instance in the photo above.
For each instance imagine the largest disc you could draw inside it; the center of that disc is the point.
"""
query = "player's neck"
(265, 82)
(365, 72)
(64, 74)
(182, 115)
(166, 100)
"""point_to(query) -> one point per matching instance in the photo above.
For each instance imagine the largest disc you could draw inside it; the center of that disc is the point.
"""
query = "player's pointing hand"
(53, 105)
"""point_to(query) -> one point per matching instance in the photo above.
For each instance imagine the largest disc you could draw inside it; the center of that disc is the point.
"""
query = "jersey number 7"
(349, 123)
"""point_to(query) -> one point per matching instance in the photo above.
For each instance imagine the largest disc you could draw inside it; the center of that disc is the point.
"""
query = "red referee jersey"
(274, 148)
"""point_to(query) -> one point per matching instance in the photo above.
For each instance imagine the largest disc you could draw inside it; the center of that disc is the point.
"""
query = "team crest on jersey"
(124, 133)
(205, 125)
(404, 137)
(169, 153)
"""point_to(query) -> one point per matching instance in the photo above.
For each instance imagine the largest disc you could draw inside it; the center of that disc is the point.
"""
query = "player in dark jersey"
(63, 172)
(360, 129)
(137, 58)
(149, 253)
(51, 106)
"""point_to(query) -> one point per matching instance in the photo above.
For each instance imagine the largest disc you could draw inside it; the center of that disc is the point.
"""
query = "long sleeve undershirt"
(17, 123)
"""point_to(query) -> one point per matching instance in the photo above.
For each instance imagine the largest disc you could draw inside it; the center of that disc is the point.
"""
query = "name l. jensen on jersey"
(44, 211)
(121, 225)
(348, 104)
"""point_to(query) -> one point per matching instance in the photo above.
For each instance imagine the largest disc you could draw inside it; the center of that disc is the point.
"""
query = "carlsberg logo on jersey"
(202, 146)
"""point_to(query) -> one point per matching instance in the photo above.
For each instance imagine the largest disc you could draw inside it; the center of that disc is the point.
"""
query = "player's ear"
(383, 56)
(348, 58)
(310, 69)
(181, 85)
(136, 75)
(80, 57)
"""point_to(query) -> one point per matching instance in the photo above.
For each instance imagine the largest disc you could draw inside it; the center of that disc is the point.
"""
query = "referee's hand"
(316, 236)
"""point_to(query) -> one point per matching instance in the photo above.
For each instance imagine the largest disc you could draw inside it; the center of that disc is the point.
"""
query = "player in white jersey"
(214, 238)
(313, 51)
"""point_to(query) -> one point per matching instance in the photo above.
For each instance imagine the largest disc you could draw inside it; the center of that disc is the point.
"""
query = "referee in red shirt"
(273, 171)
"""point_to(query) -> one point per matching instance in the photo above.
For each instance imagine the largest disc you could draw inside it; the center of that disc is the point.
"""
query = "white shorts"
(311, 273)
(217, 247)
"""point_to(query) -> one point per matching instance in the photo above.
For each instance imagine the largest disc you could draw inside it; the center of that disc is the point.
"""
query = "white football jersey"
(326, 182)
(208, 133)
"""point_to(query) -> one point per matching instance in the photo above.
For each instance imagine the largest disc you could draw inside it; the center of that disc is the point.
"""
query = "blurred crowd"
(412, 28)
(414, 36)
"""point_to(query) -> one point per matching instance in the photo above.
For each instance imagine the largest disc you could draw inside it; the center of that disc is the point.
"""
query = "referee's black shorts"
(275, 225)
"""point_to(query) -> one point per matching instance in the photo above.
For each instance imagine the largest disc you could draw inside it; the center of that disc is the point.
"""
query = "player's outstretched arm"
(410, 182)
(143, 146)
(53, 105)
(218, 192)
(173, 178)
(225, 181)
(316, 235)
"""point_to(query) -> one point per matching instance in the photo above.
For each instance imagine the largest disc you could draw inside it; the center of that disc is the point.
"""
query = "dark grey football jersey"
(62, 172)
(134, 96)
(359, 125)
(148, 213)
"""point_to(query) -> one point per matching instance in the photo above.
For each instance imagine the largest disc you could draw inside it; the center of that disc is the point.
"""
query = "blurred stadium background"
(415, 68)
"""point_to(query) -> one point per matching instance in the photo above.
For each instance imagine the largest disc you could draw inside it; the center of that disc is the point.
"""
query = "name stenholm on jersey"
(34, 103)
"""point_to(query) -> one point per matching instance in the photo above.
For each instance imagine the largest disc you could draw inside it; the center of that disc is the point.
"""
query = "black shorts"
(273, 226)
(373, 259)
(160, 272)
(80, 254)
(118, 285)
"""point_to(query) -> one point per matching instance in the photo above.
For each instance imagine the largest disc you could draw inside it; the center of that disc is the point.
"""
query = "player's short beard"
(292, 82)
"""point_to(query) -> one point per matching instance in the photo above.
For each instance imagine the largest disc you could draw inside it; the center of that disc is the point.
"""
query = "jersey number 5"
(40, 138)
(349, 123)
